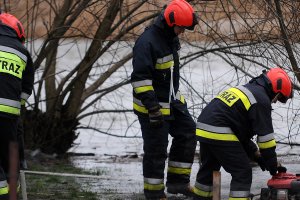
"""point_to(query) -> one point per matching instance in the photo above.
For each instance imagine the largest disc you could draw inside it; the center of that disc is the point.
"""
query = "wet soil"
(122, 176)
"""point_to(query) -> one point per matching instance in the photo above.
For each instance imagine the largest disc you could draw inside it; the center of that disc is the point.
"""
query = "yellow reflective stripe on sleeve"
(242, 96)
(148, 186)
(143, 89)
(142, 109)
(165, 111)
(4, 190)
(176, 170)
(165, 65)
(216, 136)
(266, 145)
(202, 193)
(11, 110)
(11, 64)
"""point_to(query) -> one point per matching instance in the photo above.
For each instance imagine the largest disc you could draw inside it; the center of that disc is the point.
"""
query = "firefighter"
(160, 107)
(16, 80)
(226, 126)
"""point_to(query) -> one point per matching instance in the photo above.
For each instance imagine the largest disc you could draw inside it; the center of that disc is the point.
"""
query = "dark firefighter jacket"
(155, 76)
(16, 73)
(236, 115)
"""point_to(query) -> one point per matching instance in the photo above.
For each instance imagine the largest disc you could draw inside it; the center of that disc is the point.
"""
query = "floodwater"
(119, 161)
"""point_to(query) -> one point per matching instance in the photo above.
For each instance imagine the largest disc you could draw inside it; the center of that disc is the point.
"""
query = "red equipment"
(282, 186)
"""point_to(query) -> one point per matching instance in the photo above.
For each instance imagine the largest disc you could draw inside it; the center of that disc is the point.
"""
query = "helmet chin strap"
(274, 100)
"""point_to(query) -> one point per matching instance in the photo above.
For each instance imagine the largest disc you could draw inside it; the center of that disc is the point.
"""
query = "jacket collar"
(161, 23)
(261, 80)
(7, 31)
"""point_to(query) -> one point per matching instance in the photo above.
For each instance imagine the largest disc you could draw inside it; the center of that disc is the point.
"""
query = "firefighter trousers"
(8, 134)
(181, 156)
(234, 160)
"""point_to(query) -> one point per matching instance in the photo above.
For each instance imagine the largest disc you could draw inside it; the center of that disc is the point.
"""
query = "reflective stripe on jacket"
(236, 115)
(155, 76)
(16, 73)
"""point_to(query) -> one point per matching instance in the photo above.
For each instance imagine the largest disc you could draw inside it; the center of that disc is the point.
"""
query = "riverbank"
(100, 183)
(113, 177)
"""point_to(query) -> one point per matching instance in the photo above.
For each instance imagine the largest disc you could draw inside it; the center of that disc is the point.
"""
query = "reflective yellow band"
(11, 110)
(23, 101)
(228, 97)
(176, 170)
(242, 96)
(202, 193)
(148, 186)
(4, 190)
(165, 111)
(143, 89)
(165, 65)
(216, 136)
(182, 99)
(142, 109)
(11, 64)
(266, 145)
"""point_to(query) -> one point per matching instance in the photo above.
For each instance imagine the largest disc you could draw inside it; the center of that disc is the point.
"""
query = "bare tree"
(88, 91)
(65, 94)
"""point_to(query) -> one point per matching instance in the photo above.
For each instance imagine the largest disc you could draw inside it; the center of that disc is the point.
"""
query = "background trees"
(82, 54)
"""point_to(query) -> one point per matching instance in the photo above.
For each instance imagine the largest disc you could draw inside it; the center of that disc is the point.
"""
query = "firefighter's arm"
(251, 148)
(27, 81)
(254, 153)
(142, 76)
(260, 115)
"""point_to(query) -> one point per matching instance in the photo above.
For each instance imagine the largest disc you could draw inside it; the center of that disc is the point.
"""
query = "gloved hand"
(261, 162)
(155, 117)
(271, 166)
(272, 170)
(280, 168)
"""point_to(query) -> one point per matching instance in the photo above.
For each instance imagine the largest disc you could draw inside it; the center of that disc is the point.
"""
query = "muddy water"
(122, 176)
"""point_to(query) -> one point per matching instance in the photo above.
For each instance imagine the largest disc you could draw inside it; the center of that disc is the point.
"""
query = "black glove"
(261, 162)
(271, 166)
(272, 169)
(281, 169)
(156, 118)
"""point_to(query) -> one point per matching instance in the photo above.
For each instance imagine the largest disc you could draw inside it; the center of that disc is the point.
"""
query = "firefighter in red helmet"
(225, 129)
(16, 79)
(160, 107)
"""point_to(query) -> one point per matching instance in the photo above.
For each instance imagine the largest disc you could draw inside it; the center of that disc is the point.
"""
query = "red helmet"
(14, 23)
(281, 83)
(180, 13)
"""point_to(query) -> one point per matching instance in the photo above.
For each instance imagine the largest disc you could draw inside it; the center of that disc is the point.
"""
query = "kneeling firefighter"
(227, 124)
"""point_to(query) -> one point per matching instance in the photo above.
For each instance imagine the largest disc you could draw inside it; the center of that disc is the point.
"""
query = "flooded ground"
(122, 174)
